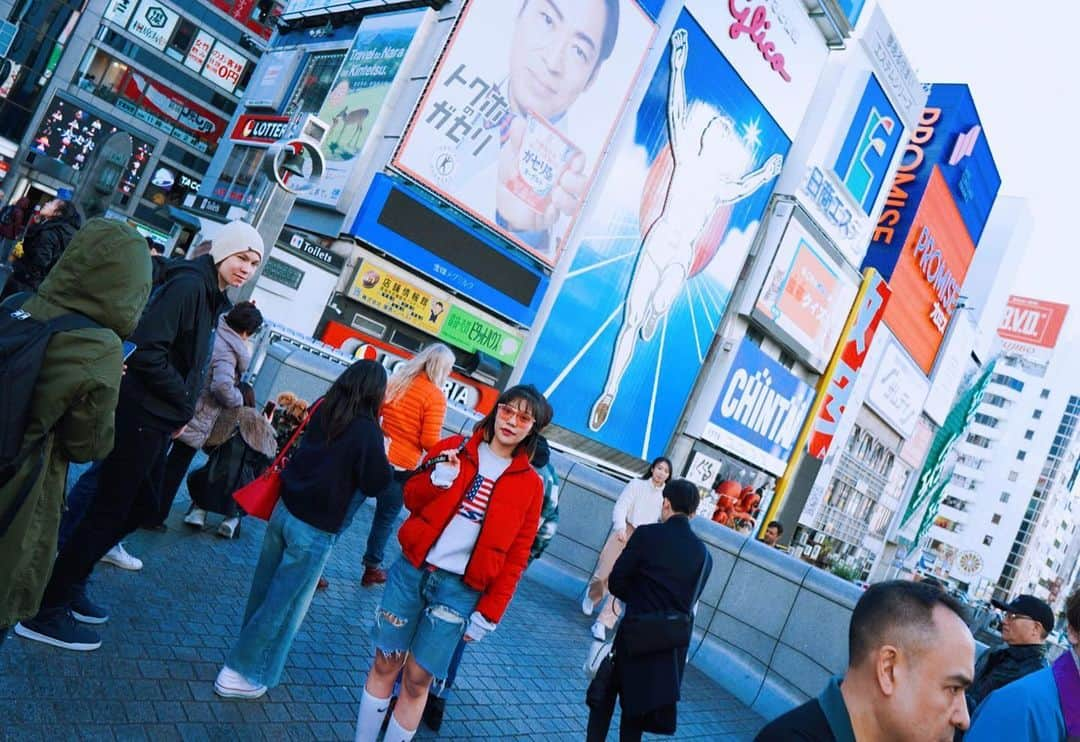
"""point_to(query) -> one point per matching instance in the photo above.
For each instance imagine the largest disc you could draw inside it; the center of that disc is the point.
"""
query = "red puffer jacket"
(506, 535)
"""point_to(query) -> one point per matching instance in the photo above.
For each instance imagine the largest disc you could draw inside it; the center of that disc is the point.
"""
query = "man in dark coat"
(658, 571)
(1024, 628)
(43, 244)
(157, 398)
(910, 657)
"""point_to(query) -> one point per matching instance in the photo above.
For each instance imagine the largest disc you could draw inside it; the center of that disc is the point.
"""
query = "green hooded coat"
(105, 274)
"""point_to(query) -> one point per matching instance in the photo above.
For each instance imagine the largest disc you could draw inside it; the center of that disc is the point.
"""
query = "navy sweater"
(322, 477)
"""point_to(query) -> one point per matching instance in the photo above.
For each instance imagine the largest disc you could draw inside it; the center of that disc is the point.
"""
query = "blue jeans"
(293, 556)
(387, 506)
(78, 501)
(425, 612)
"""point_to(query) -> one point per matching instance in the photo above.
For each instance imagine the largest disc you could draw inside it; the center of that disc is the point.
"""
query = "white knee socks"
(397, 733)
(372, 713)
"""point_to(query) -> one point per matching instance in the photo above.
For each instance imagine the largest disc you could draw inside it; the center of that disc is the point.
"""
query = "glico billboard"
(928, 274)
(950, 139)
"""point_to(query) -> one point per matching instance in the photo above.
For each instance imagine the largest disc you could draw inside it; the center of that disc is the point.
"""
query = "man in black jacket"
(1024, 628)
(43, 243)
(157, 398)
(910, 657)
(658, 572)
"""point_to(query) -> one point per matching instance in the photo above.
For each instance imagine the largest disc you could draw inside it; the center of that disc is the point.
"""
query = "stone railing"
(770, 628)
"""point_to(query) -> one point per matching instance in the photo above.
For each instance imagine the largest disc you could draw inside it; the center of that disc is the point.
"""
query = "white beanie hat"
(235, 237)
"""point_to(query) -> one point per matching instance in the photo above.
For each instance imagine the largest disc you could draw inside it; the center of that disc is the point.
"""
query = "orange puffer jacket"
(506, 535)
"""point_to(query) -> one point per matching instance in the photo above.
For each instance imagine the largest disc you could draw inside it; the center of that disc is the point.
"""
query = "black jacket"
(322, 477)
(165, 373)
(43, 244)
(806, 722)
(999, 667)
(657, 571)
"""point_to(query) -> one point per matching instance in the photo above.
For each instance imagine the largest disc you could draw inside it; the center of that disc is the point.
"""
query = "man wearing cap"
(1024, 628)
(1041, 707)
(157, 397)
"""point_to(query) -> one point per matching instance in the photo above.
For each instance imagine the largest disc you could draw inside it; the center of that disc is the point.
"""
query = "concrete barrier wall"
(770, 628)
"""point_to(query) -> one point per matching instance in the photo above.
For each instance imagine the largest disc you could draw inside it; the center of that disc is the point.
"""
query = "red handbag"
(259, 496)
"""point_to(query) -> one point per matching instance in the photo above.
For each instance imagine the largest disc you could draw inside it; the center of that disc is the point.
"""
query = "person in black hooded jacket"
(157, 397)
(43, 244)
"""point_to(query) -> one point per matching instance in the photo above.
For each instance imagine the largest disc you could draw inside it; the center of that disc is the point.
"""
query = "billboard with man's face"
(661, 251)
(520, 109)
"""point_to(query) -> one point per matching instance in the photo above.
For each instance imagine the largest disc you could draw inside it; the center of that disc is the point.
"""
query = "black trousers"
(176, 466)
(127, 496)
(630, 727)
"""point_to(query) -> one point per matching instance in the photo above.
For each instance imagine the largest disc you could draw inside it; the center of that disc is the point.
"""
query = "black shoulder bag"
(661, 631)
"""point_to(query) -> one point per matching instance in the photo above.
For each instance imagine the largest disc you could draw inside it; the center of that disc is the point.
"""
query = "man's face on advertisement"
(554, 53)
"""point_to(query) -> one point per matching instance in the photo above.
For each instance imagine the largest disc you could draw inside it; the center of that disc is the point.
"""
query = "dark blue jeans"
(78, 500)
(387, 506)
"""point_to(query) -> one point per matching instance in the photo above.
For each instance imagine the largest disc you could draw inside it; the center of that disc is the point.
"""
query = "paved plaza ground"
(173, 623)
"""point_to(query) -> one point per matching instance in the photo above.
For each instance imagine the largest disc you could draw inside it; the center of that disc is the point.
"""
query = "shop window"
(238, 173)
(139, 93)
(314, 82)
(181, 40)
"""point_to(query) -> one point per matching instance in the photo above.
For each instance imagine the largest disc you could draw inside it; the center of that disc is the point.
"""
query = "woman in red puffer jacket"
(474, 512)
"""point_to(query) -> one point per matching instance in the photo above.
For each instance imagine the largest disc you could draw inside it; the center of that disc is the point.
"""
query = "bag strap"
(296, 433)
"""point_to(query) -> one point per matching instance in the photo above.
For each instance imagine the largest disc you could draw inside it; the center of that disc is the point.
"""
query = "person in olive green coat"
(104, 274)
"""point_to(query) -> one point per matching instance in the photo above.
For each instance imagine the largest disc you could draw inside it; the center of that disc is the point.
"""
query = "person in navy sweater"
(341, 458)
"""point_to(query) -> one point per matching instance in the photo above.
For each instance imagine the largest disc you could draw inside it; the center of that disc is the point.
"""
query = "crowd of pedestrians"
(144, 366)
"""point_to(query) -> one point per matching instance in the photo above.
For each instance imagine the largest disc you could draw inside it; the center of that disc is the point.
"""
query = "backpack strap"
(63, 323)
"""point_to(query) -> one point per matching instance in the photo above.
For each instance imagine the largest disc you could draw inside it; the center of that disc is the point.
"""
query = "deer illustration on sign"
(356, 117)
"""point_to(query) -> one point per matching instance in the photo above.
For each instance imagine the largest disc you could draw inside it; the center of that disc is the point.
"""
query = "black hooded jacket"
(165, 373)
(999, 667)
(43, 245)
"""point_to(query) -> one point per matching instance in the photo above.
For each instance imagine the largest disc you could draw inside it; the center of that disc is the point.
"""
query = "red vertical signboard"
(842, 372)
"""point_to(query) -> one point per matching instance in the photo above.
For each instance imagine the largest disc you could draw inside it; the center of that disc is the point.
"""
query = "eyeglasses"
(1017, 617)
(506, 412)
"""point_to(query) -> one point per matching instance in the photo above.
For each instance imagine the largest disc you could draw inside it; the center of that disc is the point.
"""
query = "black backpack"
(23, 340)
(7, 214)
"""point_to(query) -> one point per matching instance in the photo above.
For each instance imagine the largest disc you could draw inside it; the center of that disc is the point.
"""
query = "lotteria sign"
(949, 139)
(760, 411)
(927, 277)
(839, 380)
(258, 129)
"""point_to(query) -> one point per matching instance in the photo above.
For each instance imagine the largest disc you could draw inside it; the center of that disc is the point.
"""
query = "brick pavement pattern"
(173, 623)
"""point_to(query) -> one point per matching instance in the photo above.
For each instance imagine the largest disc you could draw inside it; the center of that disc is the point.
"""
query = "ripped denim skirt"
(424, 612)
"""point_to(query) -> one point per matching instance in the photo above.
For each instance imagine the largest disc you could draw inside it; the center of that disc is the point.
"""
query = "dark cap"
(1030, 606)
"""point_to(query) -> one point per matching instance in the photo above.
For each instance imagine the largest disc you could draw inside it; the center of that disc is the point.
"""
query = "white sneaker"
(588, 605)
(229, 528)
(196, 517)
(231, 684)
(118, 557)
(599, 632)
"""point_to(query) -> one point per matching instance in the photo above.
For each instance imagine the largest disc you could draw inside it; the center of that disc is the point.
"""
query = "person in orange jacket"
(474, 511)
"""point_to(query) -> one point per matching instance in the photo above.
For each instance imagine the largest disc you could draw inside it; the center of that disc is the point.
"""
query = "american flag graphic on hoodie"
(476, 499)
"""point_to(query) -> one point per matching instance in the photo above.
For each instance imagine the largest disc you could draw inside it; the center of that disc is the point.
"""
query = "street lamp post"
(292, 166)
